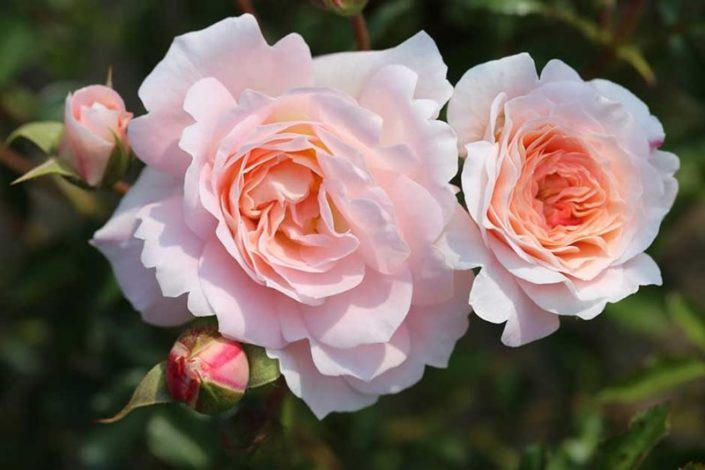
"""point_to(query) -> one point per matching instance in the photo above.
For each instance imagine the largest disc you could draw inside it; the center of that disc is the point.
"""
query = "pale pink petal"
(390, 94)
(462, 243)
(434, 329)
(368, 314)
(174, 250)
(496, 297)
(561, 299)
(323, 394)
(616, 283)
(349, 71)
(234, 52)
(394, 380)
(558, 71)
(246, 311)
(115, 240)
(155, 140)
(469, 108)
(364, 362)
(206, 101)
(649, 123)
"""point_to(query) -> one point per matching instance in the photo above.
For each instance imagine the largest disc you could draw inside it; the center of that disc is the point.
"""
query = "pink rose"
(94, 118)
(567, 188)
(305, 203)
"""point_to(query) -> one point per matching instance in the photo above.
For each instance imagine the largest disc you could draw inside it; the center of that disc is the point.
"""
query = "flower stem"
(362, 35)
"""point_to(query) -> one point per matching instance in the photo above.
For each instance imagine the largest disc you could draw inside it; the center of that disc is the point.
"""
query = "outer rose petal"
(322, 393)
(368, 314)
(649, 123)
(174, 250)
(497, 298)
(115, 240)
(235, 53)
(349, 71)
(469, 108)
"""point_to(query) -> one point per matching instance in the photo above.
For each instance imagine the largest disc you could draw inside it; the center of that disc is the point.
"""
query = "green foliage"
(661, 375)
(73, 350)
(45, 135)
(691, 323)
(627, 450)
(151, 390)
(50, 167)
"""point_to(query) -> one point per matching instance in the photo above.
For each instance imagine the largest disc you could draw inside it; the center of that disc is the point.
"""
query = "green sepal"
(50, 167)
(263, 369)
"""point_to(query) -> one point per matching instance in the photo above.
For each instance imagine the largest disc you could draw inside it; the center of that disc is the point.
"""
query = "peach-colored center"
(561, 198)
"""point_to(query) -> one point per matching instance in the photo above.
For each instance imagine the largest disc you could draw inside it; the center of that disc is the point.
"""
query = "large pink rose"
(566, 186)
(305, 203)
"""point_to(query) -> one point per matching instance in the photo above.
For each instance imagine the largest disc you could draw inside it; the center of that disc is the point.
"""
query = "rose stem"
(18, 164)
(246, 6)
(362, 35)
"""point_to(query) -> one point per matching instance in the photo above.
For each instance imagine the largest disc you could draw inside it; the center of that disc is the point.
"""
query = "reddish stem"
(362, 35)
(246, 6)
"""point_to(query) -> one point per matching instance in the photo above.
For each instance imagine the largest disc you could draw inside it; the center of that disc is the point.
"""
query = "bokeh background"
(72, 349)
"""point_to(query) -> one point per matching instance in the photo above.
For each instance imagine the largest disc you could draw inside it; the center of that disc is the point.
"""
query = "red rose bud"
(343, 7)
(207, 371)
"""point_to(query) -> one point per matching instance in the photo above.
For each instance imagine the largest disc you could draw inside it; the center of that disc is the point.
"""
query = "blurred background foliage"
(71, 348)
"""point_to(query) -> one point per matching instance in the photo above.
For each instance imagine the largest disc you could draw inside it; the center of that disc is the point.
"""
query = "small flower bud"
(95, 143)
(207, 371)
(342, 7)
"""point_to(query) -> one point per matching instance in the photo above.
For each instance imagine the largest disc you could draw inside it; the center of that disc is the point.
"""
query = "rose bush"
(304, 202)
(95, 122)
(566, 186)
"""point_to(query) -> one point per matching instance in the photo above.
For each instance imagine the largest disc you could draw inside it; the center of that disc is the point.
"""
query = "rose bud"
(342, 7)
(207, 371)
(95, 141)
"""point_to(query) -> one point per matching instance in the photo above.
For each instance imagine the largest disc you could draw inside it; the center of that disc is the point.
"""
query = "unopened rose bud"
(343, 7)
(95, 142)
(207, 371)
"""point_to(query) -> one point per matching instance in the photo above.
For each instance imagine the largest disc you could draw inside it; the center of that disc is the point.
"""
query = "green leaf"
(663, 374)
(694, 466)
(44, 134)
(151, 390)
(50, 167)
(627, 450)
(509, 7)
(263, 369)
(181, 439)
(533, 458)
(692, 324)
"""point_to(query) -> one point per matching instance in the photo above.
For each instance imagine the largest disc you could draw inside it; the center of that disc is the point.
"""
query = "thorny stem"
(362, 35)
(19, 164)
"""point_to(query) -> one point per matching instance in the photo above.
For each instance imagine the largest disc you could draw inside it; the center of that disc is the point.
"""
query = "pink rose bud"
(343, 7)
(207, 371)
(95, 142)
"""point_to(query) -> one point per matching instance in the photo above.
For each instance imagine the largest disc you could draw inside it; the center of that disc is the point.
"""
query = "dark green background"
(71, 349)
